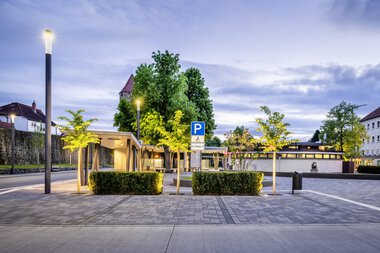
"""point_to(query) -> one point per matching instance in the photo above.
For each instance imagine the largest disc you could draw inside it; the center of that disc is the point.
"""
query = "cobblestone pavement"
(64, 207)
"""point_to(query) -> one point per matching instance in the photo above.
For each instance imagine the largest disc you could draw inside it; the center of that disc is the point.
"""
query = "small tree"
(343, 130)
(76, 137)
(240, 142)
(274, 135)
(177, 139)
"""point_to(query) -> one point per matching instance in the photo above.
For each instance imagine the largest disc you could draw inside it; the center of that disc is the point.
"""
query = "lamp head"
(13, 118)
(138, 103)
(48, 38)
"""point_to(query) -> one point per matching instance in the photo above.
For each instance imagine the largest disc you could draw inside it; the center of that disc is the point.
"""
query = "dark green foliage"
(315, 137)
(198, 94)
(214, 142)
(227, 183)
(369, 169)
(122, 182)
(125, 116)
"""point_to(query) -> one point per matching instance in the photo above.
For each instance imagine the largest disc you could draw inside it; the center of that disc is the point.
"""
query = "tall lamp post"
(13, 143)
(138, 103)
(48, 37)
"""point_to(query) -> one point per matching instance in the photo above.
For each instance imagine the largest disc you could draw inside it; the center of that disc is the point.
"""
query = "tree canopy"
(240, 142)
(342, 129)
(274, 131)
(163, 90)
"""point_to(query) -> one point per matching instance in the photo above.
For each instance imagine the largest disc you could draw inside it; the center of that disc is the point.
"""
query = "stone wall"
(30, 149)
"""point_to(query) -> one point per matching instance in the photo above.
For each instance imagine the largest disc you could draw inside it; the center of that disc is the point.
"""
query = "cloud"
(362, 13)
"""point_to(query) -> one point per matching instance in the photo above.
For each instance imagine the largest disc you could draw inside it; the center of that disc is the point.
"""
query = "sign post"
(198, 129)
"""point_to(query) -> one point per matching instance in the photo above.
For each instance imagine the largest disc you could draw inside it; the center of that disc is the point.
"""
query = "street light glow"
(138, 103)
(48, 38)
(13, 118)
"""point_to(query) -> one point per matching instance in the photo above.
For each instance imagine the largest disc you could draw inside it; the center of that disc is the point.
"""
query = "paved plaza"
(324, 207)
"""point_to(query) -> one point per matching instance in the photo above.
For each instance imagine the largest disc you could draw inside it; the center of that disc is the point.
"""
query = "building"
(300, 156)
(126, 92)
(28, 118)
(371, 146)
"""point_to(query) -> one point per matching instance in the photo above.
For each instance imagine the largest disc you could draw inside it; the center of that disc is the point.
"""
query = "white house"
(28, 118)
(371, 147)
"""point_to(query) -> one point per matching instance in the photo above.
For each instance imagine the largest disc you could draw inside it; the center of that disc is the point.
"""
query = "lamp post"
(48, 37)
(138, 102)
(13, 143)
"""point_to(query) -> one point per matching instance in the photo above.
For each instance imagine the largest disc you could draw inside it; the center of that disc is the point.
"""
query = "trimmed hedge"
(123, 182)
(227, 183)
(369, 169)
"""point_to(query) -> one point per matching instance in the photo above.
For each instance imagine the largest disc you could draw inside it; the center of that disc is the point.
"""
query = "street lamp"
(48, 38)
(138, 102)
(13, 143)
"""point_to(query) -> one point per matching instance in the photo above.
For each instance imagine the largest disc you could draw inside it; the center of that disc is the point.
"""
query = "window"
(373, 125)
(309, 155)
(378, 138)
(292, 156)
(378, 124)
(373, 138)
(318, 156)
(326, 156)
(368, 126)
(300, 155)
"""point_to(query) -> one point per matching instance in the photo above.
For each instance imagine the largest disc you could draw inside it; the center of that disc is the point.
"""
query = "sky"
(298, 57)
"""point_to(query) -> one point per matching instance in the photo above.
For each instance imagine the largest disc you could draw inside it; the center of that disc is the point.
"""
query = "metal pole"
(13, 149)
(48, 123)
(138, 125)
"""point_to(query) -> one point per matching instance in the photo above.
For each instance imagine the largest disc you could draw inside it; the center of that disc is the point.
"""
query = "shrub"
(227, 183)
(369, 169)
(123, 182)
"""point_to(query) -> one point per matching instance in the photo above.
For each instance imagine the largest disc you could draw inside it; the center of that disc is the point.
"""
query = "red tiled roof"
(128, 86)
(6, 125)
(22, 110)
(372, 115)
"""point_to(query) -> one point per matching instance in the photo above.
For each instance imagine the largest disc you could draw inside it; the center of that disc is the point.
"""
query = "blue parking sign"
(198, 128)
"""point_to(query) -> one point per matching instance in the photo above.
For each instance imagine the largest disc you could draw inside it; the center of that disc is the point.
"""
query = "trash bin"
(297, 181)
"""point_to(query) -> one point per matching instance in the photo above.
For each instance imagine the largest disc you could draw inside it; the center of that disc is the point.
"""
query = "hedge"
(227, 183)
(123, 182)
(369, 169)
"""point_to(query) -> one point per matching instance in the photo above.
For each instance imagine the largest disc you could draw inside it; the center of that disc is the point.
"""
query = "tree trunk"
(178, 172)
(167, 157)
(79, 169)
(274, 173)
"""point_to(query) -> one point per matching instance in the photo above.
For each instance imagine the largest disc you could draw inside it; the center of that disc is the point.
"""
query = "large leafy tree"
(198, 93)
(162, 88)
(175, 137)
(342, 129)
(76, 137)
(240, 142)
(274, 137)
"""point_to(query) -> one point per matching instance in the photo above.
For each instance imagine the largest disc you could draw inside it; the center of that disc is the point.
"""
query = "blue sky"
(299, 57)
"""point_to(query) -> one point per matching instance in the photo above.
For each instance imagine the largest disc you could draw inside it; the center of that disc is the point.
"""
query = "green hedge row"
(227, 183)
(122, 182)
(369, 169)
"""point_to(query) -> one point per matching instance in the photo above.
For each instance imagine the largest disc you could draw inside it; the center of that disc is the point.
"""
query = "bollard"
(297, 181)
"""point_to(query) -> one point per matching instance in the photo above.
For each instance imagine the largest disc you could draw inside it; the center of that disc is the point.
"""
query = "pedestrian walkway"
(65, 207)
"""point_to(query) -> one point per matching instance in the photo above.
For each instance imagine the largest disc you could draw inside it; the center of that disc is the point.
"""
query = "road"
(12, 181)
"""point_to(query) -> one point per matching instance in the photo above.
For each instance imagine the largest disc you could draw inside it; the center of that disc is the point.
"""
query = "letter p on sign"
(197, 128)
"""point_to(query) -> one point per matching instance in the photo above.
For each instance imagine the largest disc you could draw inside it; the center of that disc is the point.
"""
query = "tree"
(176, 138)
(239, 142)
(76, 137)
(342, 129)
(198, 93)
(162, 88)
(124, 118)
(274, 135)
(315, 137)
(214, 142)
